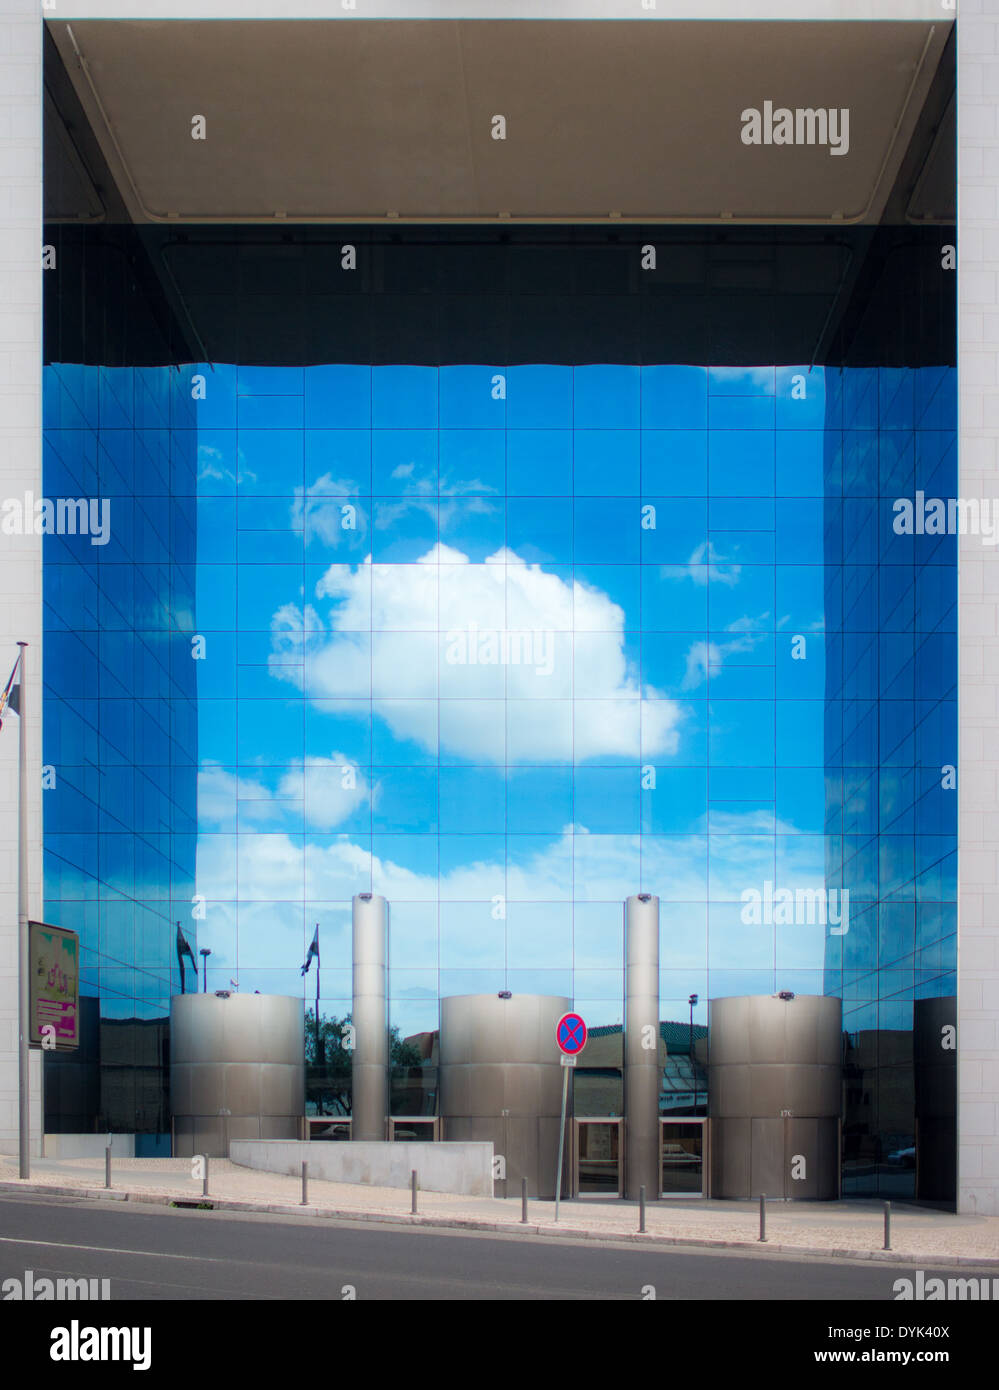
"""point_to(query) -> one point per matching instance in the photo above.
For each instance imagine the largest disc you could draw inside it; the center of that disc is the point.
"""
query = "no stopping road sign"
(570, 1034)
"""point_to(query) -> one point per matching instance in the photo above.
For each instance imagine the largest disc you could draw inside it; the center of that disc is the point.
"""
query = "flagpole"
(23, 1022)
(318, 965)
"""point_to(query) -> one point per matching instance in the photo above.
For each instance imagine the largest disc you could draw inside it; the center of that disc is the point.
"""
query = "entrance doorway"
(681, 1158)
(597, 1163)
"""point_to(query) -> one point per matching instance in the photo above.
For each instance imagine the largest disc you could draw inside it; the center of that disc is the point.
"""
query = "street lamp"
(205, 953)
(690, 1047)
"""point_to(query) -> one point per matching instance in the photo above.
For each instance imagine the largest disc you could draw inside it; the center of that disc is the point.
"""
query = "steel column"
(641, 1045)
(369, 1014)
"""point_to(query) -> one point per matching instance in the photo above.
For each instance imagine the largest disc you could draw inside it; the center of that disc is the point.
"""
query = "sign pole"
(561, 1136)
(23, 1020)
(570, 1039)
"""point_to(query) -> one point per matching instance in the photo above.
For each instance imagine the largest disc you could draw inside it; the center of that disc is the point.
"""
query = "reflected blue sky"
(506, 645)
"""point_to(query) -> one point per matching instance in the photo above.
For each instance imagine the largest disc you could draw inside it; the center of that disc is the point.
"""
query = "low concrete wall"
(88, 1145)
(466, 1169)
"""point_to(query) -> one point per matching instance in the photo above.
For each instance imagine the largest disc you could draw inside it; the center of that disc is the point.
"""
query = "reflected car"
(677, 1156)
(330, 1131)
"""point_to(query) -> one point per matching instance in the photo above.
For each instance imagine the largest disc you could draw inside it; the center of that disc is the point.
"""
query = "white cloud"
(699, 658)
(319, 510)
(332, 789)
(211, 465)
(327, 790)
(703, 567)
(275, 869)
(386, 638)
(703, 655)
(764, 377)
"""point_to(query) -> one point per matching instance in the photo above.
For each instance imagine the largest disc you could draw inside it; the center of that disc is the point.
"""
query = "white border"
(924, 10)
(978, 618)
(20, 472)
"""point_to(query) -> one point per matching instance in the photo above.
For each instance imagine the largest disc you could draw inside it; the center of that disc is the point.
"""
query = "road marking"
(113, 1250)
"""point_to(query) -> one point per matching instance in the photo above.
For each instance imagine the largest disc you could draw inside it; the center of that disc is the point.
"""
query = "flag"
(184, 949)
(313, 951)
(11, 697)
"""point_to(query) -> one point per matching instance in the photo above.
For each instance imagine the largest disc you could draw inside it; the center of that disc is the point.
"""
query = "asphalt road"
(151, 1252)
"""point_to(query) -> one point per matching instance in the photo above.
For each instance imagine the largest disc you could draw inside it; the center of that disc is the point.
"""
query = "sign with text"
(53, 982)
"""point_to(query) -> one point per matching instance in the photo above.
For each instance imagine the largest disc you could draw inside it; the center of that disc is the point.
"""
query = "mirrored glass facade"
(120, 742)
(890, 740)
(509, 636)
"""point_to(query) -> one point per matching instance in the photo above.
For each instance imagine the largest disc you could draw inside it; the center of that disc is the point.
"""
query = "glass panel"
(598, 1150)
(413, 1131)
(507, 644)
(329, 1129)
(682, 1159)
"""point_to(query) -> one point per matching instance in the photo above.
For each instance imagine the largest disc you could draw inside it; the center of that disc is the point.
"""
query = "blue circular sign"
(570, 1034)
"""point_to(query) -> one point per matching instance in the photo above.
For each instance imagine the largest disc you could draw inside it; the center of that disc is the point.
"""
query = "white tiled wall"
(978, 782)
(20, 472)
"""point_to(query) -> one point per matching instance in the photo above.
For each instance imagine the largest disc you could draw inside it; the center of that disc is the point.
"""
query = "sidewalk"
(845, 1230)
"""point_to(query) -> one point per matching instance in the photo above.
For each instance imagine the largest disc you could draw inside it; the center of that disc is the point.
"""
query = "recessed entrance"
(597, 1158)
(681, 1158)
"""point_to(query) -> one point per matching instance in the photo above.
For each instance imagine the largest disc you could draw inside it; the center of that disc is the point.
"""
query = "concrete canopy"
(396, 119)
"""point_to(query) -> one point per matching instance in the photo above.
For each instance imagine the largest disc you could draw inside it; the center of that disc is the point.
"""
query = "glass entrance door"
(598, 1158)
(681, 1158)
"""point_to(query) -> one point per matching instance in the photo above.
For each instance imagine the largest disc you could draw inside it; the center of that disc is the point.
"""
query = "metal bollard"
(413, 1184)
(641, 1209)
(305, 1185)
(107, 1166)
(523, 1201)
(887, 1245)
(204, 1183)
(763, 1218)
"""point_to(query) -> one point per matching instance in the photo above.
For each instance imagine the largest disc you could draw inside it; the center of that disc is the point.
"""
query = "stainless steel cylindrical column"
(237, 1070)
(501, 1082)
(369, 1068)
(775, 1095)
(641, 1045)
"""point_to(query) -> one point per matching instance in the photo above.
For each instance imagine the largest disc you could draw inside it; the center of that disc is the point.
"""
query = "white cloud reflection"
(386, 632)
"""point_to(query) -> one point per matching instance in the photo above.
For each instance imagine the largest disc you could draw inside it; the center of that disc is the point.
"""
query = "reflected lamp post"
(690, 1047)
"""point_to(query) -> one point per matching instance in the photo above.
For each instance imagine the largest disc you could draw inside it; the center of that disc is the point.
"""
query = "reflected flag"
(313, 951)
(184, 949)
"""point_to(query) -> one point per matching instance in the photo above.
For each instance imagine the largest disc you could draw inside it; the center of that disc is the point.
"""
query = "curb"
(463, 1223)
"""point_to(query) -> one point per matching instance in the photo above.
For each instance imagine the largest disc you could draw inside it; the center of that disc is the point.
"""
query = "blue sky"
(447, 661)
